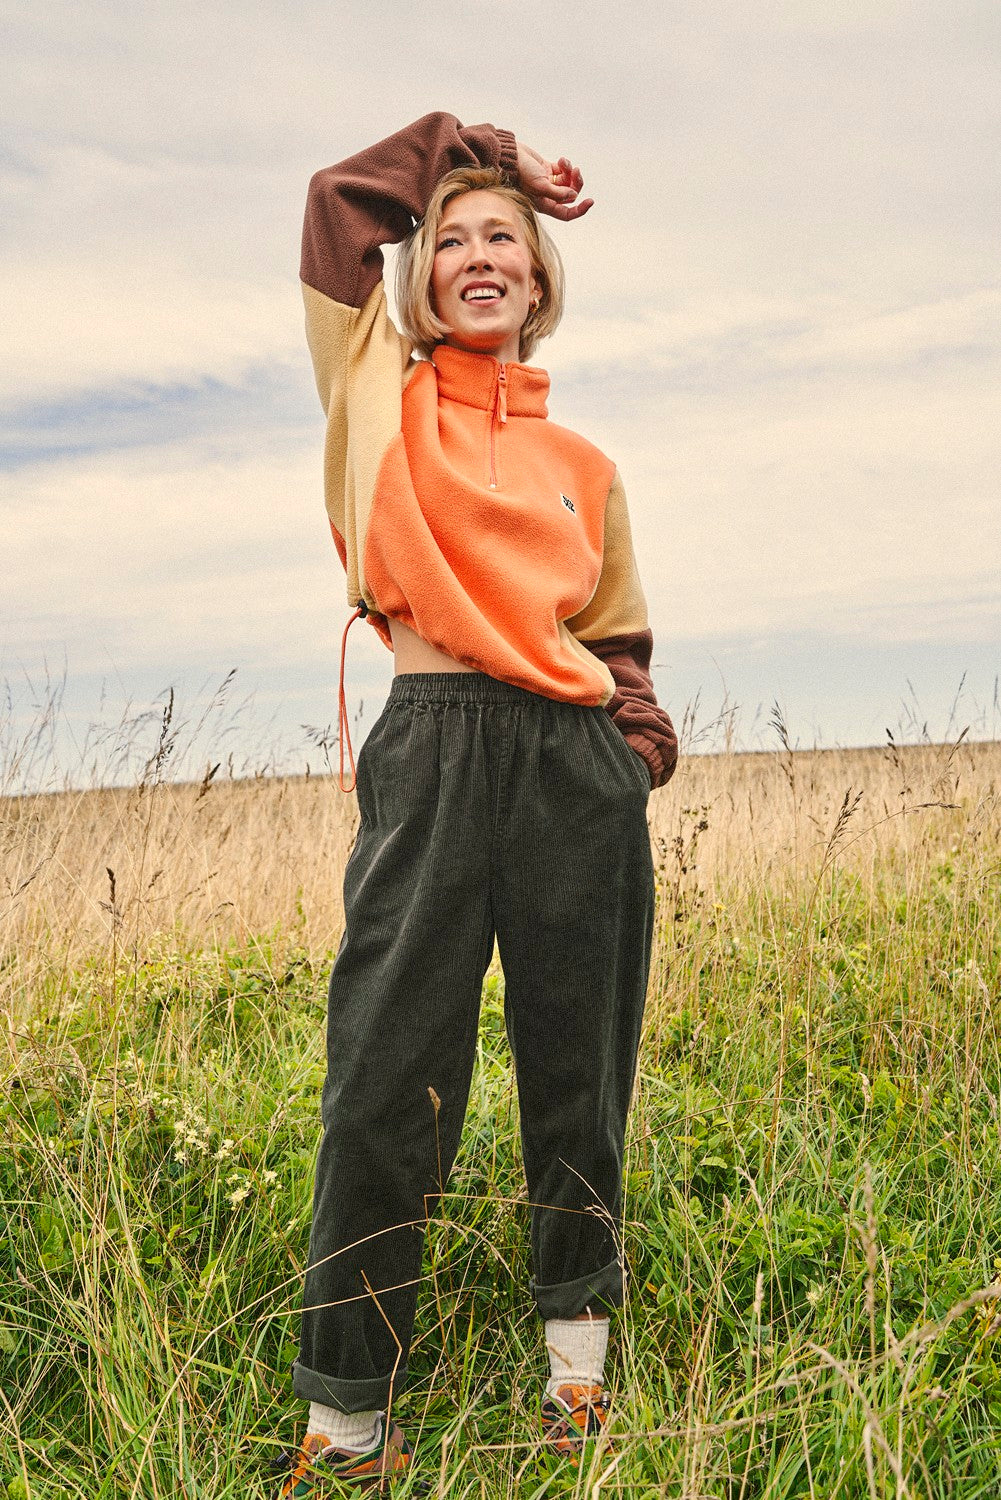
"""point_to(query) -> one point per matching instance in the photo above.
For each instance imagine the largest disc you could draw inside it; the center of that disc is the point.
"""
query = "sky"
(783, 324)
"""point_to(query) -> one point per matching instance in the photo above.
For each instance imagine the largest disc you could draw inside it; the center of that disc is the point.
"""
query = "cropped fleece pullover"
(456, 506)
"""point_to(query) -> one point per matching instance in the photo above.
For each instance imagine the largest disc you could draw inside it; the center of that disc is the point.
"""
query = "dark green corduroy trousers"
(486, 810)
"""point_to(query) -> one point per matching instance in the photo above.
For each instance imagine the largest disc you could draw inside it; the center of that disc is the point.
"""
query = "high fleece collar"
(471, 379)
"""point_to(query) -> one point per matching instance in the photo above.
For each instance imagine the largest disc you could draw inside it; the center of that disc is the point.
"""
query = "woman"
(503, 789)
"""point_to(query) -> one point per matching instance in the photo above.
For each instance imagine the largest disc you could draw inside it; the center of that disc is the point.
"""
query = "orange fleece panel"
(488, 574)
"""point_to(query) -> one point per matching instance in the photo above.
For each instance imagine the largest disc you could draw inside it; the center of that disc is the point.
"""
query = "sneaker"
(318, 1462)
(573, 1416)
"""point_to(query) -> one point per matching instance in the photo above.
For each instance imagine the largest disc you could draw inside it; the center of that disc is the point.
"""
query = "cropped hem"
(568, 1299)
(347, 1395)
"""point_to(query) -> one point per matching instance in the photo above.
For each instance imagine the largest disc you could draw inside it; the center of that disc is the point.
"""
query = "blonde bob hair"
(416, 257)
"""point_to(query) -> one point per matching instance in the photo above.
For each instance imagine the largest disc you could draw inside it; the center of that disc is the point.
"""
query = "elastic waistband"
(462, 687)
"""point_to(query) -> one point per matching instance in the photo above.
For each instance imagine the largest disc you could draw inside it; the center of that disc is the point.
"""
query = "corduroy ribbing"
(486, 810)
(460, 687)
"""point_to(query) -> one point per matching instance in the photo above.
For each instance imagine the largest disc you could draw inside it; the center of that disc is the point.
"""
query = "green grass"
(813, 1215)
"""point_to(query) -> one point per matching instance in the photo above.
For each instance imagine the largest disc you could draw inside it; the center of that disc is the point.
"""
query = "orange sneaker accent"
(319, 1462)
(574, 1416)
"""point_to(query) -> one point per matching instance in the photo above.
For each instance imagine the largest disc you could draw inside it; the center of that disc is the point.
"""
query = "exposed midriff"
(414, 654)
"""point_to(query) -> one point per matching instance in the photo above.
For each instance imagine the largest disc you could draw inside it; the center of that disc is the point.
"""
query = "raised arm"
(372, 199)
(553, 186)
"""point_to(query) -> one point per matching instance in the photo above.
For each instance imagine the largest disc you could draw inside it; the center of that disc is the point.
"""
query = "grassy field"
(814, 1172)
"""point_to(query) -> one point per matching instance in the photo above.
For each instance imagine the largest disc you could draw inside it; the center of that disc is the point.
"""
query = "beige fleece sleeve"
(614, 627)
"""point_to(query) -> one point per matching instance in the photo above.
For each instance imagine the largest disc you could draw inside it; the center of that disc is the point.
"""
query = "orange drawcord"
(343, 733)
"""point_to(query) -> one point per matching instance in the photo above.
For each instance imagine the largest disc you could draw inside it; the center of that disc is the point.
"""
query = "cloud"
(100, 324)
(783, 313)
(177, 554)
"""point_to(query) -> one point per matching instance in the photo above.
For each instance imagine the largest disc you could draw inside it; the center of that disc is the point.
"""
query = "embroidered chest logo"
(569, 504)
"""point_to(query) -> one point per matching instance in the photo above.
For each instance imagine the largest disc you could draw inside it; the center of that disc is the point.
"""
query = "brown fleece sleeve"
(633, 706)
(614, 628)
(373, 198)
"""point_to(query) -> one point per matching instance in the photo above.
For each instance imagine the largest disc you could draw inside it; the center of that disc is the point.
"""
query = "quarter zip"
(497, 417)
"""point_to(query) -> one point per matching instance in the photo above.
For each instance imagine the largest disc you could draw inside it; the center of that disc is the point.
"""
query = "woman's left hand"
(553, 187)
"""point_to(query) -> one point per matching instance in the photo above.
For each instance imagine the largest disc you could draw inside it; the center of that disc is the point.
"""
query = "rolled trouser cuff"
(347, 1396)
(601, 1291)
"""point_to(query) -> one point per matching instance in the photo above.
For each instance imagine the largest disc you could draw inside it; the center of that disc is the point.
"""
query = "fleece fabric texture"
(457, 507)
(486, 811)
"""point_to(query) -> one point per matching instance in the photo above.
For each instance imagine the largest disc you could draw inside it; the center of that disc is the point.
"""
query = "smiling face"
(482, 280)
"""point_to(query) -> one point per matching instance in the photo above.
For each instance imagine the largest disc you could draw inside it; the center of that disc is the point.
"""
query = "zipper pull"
(502, 394)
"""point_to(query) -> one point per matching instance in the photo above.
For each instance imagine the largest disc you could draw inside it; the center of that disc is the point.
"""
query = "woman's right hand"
(552, 187)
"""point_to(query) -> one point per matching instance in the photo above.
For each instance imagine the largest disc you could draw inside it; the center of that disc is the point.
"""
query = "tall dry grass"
(223, 861)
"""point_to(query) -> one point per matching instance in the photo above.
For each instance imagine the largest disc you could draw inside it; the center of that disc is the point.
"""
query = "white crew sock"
(355, 1429)
(576, 1351)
